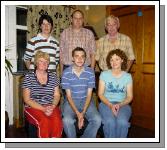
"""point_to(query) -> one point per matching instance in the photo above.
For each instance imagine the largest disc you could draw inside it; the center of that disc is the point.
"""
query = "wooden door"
(138, 22)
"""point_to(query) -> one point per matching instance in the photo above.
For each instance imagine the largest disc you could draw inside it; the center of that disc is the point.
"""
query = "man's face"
(112, 26)
(79, 58)
(77, 20)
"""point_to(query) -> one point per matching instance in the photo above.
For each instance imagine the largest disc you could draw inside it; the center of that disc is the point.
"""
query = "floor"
(134, 132)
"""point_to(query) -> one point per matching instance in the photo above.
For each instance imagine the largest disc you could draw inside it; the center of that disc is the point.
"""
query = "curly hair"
(119, 53)
(40, 54)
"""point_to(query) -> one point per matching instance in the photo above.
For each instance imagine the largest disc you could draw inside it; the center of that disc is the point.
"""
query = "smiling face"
(116, 62)
(77, 20)
(42, 64)
(112, 26)
(46, 27)
(79, 58)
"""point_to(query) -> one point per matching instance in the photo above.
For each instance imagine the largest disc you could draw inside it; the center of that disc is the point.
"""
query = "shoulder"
(89, 70)
(29, 75)
(105, 74)
(127, 75)
(87, 31)
(54, 40)
(35, 38)
(124, 36)
(67, 71)
(66, 30)
(102, 38)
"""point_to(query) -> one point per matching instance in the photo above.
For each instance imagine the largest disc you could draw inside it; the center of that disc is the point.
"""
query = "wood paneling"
(138, 22)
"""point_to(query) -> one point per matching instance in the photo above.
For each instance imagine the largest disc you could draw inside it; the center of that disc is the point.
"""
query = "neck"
(78, 69)
(113, 36)
(76, 29)
(116, 71)
(41, 72)
(45, 35)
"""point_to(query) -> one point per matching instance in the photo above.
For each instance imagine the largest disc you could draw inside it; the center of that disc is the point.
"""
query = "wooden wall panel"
(149, 36)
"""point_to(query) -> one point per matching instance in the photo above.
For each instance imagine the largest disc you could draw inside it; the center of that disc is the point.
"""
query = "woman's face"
(46, 27)
(42, 64)
(116, 62)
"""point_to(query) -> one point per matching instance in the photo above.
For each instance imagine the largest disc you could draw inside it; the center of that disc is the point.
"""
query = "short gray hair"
(112, 17)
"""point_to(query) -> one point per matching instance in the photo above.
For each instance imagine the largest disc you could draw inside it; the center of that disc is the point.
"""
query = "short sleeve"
(65, 84)
(102, 76)
(26, 82)
(129, 79)
(91, 82)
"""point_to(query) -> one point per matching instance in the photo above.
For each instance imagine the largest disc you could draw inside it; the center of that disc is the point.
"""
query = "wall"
(95, 17)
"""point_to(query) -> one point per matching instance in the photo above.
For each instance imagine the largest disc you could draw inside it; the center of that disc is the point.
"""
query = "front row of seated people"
(41, 94)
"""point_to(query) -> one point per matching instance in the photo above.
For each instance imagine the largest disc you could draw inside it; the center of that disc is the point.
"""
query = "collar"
(72, 69)
(40, 35)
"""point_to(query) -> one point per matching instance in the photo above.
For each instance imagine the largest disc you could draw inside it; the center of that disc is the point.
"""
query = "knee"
(68, 120)
(97, 120)
(123, 123)
(110, 122)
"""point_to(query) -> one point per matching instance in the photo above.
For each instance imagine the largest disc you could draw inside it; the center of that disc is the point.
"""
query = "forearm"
(129, 65)
(93, 61)
(27, 63)
(56, 100)
(105, 101)
(87, 102)
(72, 104)
(35, 105)
(125, 101)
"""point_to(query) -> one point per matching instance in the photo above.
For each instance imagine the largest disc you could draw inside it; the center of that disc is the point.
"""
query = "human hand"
(115, 109)
(48, 110)
(80, 120)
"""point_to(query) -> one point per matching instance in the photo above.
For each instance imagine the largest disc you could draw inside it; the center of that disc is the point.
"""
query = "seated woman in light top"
(41, 96)
(115, 92)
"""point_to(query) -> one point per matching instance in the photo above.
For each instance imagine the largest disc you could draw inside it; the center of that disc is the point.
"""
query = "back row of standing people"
(77, 36)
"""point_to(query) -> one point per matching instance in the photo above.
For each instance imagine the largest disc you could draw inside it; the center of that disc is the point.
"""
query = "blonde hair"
(112, 17)
(40, 54)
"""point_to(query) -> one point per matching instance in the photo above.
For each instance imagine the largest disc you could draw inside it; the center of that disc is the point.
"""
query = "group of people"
(78, 53)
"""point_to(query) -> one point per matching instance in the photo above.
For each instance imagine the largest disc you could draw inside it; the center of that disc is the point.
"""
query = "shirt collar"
(40, 35)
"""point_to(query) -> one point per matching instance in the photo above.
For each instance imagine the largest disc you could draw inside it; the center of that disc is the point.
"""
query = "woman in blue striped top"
(41, 96)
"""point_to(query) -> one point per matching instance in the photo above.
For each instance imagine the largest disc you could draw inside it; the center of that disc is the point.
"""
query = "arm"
(62, 43)
(101, 90)
(93, 61)
(71, 102)
(56, 96)
(129, 65)
(74, 108)
(129, 96)
(31, 103)
(87, 102)
(27, 63)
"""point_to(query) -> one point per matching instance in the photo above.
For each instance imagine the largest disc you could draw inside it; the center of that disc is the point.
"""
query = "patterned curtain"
(60, 14)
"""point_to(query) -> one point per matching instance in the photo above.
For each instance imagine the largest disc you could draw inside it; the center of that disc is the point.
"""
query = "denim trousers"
(69, 118)
(115, 126)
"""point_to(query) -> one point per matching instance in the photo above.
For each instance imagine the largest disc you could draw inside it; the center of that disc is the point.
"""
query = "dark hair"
(46, 17)
(78, 49)
(119, 53)
(77, 10)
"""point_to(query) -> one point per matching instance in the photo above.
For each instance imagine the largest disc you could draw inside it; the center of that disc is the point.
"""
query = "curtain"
(60, 14)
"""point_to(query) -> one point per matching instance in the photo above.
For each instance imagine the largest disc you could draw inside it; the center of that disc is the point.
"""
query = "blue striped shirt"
(50, 46)
(78, 85)
(42, 94)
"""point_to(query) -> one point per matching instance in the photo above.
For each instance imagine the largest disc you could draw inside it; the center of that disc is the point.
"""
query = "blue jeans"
(69, 118)
(115, 126)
